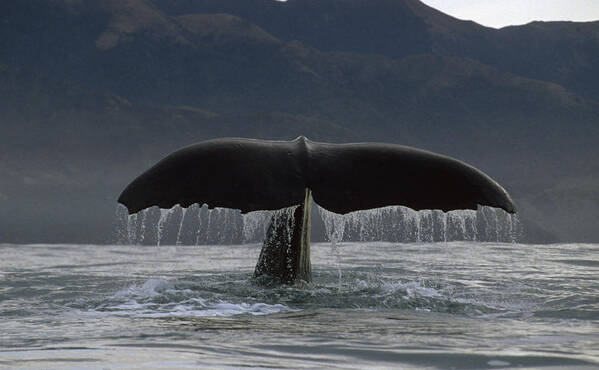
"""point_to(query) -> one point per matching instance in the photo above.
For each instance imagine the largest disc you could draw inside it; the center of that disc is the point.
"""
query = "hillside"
(566, 53)
(92, 93)
(68, 151)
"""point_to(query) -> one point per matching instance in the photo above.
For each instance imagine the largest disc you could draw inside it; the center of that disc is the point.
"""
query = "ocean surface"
(463, 305)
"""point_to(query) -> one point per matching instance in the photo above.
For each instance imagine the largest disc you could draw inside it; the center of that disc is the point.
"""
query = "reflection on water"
(455, 304)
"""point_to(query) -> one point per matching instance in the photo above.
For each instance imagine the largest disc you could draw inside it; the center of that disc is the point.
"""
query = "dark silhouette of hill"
(68, 150)
(563, 52)
(94, 92)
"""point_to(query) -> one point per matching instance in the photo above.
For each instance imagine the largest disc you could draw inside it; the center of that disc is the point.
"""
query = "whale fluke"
(252, 175)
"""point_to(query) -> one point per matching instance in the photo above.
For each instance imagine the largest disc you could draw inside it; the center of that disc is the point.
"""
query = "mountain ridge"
(434, 32)
(132, 80)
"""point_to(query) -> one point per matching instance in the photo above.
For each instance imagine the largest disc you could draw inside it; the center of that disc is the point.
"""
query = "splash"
(164, 298)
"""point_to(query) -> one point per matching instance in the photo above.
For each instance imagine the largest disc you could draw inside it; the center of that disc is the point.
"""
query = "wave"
(197, 297)
(163, 298)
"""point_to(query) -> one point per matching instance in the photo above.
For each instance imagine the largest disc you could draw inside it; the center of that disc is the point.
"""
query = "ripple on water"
(467, 305)
(197, 297)
(164, 298)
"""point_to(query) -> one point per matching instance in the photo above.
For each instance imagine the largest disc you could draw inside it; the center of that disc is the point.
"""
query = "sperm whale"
(251, 174)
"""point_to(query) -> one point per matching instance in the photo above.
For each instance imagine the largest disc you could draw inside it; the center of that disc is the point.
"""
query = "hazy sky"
(499, 13)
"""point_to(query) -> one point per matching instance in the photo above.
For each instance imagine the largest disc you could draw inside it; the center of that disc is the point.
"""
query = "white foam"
(413, 289)
(416, 289)
(161, 298)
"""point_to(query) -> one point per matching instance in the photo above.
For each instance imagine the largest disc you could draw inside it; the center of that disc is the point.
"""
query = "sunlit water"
(390, 305)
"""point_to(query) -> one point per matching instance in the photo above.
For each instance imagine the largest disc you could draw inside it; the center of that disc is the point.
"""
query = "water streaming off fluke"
(202, 226)
(402, 224)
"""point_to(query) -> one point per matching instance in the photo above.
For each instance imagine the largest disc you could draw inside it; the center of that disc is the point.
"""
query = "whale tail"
(255, 175)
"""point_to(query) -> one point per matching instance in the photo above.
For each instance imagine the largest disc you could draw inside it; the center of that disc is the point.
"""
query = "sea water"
(463, 305)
